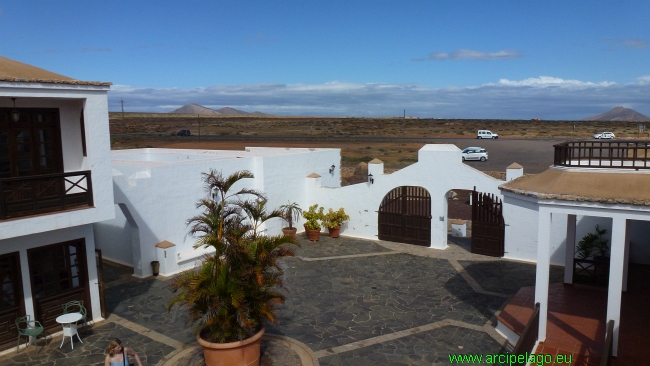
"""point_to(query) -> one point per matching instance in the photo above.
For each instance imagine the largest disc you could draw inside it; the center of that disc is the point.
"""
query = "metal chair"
(29, 328)
(76, 306)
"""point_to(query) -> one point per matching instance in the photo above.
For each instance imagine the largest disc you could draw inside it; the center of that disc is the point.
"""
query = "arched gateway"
(405, 216)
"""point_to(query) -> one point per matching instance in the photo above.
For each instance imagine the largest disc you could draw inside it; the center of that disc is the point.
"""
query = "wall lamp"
(371, 179)
(332, 168)
(15, 115)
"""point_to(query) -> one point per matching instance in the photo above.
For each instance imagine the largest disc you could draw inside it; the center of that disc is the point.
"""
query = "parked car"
(486, 134)
(183, 133)
(604, 135)
(474, 153)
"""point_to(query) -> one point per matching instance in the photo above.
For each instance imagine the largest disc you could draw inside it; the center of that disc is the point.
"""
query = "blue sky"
(451, 59)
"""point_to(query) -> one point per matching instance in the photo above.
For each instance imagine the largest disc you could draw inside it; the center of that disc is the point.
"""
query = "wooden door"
(405, 216)
(100, 281)
(58, 274)
(488, 226)
(12, 304)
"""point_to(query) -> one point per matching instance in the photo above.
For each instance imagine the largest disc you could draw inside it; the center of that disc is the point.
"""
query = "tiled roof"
(14, 71)
(614, 187)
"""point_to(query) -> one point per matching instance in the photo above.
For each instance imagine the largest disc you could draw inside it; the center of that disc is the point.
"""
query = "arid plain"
(392, 140)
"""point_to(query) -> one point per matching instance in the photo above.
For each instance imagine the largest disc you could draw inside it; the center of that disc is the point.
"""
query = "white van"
(486, 134)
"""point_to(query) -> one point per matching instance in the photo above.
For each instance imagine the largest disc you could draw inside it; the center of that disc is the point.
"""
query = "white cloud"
(546, 81)
(466, 54)
(546, 97)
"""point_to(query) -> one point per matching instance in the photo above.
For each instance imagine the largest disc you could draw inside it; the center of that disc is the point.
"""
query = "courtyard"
(349, 302)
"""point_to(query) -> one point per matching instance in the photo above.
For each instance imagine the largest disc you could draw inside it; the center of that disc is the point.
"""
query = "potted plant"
(593, 246)
(312, 226)
(290, 212)
(235, 289)
(333, 221)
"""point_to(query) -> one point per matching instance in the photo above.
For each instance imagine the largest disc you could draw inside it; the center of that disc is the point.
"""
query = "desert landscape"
(392, 140)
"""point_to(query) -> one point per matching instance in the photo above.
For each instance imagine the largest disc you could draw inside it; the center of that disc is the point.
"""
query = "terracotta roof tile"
(14, 71)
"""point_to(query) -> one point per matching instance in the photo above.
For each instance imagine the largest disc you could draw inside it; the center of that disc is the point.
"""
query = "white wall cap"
(439, 147)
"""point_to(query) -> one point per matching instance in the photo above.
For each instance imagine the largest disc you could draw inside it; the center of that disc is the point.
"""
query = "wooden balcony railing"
(529, 337)
(603, 154)
(34, 195)
(606, 359)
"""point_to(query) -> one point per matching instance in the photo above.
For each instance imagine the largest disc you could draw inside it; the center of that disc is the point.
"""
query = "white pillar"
(616, 277)
(626, 260)
(570, 248)
(543, 268)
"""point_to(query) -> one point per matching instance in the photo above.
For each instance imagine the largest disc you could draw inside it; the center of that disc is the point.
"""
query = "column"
(616, 276)
(543, 268)
(626, 259)
(570, 248)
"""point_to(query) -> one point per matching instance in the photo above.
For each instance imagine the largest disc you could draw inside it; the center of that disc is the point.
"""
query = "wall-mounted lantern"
(332, 168)
(15, 115)
(371, 180)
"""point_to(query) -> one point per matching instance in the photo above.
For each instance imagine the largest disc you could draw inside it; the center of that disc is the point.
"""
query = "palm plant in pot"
(289, 213)
(235, 288)
(333, 221)
(312, 226)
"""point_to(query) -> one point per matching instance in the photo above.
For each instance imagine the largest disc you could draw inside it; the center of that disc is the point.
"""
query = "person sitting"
(118, 355)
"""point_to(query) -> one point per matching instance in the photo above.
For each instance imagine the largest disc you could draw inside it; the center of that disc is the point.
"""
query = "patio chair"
(76, 306)
(29, 328)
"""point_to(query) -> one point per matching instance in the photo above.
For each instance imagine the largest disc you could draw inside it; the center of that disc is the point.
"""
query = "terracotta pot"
(334, 231)
(290, 232)
(242, 353)
(312, 235)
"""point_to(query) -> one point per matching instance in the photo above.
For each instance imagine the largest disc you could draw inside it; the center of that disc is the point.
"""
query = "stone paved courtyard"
(349, 302)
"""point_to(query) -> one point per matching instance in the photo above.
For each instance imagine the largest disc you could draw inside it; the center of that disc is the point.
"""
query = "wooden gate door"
(405, 216)
(59, 274)
(100, 281)
(12, 304)
(488, 227)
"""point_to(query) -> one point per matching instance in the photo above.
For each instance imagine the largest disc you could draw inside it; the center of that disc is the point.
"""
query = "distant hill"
(619, 114)
(193, 108)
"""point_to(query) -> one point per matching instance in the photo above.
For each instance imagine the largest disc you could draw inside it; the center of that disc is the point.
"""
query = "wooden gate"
(488, 227)
(100, 281)
(405, 216)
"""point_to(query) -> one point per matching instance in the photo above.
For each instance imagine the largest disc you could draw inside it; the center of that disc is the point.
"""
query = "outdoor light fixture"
(332, 168)
(15, 115)
(371, 179)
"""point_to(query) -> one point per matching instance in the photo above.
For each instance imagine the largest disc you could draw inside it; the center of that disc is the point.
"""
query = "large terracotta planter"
(242, 353)
(289, 232)
(334, 231)
(312, 234)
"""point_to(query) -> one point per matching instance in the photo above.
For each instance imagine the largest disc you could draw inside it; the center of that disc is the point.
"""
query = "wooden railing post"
(529, 336)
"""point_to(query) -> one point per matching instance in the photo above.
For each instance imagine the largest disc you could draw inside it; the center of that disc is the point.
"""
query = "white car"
(486, 134)
(604, 135)
(474, 153)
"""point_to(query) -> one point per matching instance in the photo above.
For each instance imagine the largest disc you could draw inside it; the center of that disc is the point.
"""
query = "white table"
(69, 323)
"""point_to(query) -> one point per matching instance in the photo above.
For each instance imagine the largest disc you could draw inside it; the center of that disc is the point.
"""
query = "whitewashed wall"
(23, 243)
(439, 169)
(161, 198)
(70, 99)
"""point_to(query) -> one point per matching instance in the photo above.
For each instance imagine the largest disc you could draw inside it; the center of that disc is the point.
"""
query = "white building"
(591, 183)
(55, 183)
(156, 190)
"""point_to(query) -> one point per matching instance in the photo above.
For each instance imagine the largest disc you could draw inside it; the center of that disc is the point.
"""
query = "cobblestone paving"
(331, 303)
(507, 276)
(328, 247)
(423, 349)
(342, 293)
(91, 351)
(144, 302)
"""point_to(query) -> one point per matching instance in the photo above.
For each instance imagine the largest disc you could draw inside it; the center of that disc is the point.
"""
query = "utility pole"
(122, 102)
(199, 123)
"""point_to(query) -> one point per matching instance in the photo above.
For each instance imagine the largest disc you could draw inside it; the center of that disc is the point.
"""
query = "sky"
(435, 59)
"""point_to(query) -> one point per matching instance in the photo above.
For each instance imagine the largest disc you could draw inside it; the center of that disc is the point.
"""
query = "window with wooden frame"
(83, 132)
